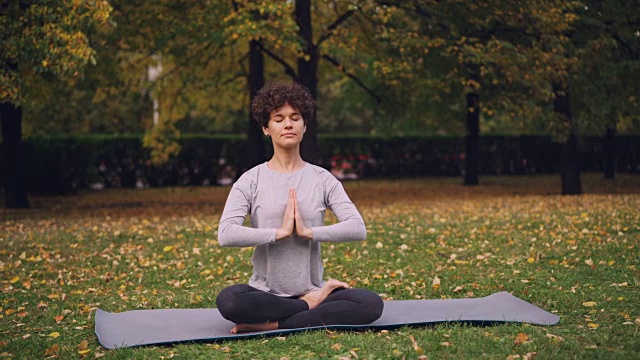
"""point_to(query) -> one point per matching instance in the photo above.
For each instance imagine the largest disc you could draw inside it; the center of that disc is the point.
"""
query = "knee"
(229, 304)
(372, 305)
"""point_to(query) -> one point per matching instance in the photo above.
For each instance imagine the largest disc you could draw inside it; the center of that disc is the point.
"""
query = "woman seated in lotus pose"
(286, 199)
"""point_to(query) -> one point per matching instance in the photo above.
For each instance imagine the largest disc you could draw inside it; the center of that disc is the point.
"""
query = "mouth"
(288, 134)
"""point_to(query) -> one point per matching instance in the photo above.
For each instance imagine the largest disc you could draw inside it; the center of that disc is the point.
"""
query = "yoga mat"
(169, 326)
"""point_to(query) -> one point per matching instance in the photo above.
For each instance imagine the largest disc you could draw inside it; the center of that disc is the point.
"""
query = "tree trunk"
(471, 140)
(610, 154)
(14, 188)
(255, 152)
(569, 162)
(308, 76)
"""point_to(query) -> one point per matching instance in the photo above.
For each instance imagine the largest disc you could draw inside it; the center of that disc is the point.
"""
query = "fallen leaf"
(436, 282)
(167, 248)
(458, 288)
(446, 343)
(593, 325)
(53, 350)
(555, 337)
(521, 338)
(84, 344)
(14, 280)
(58, 318)
(379, 245)
(336, 347)
(530, 355)
(414, 344)
(589, 303)
(54, 334)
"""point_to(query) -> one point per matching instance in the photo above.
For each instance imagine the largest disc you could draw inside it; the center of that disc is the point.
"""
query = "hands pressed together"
(292, 222)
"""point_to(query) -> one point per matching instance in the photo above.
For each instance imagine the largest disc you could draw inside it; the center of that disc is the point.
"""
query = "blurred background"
(106, 94)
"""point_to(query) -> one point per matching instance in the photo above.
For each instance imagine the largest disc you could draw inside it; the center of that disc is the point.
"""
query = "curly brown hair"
(275, 94)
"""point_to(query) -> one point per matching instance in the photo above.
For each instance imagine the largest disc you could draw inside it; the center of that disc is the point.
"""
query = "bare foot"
(314, 298)
(254, 327)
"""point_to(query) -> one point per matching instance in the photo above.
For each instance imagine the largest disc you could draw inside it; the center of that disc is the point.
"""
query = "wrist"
(281, 234)
(307, 234)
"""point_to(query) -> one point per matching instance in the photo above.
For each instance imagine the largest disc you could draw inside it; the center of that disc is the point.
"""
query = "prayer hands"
(292, 222)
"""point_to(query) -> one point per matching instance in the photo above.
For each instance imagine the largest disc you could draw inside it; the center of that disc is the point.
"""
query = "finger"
(290, 200)
(292, 197)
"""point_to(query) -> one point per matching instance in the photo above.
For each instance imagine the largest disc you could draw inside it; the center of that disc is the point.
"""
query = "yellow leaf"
(54, 334)
(84, 352)
(531, 260)
(593, 325)
(336, 347)
(167, 248)
(589, 303)
(14, 280)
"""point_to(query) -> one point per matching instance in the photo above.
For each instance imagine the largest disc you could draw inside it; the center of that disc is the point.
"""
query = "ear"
(265, 131)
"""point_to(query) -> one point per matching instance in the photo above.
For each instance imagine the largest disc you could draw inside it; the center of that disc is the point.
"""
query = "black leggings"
(244, 304)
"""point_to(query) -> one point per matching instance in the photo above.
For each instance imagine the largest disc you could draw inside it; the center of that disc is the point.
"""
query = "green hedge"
(60, 164)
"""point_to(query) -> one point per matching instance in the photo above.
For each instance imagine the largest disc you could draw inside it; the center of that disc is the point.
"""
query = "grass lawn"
(118, 250)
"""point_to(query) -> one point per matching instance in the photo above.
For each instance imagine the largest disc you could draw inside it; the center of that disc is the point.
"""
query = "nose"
(288, 123)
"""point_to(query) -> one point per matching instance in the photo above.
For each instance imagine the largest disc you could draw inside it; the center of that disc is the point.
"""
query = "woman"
(286, 198)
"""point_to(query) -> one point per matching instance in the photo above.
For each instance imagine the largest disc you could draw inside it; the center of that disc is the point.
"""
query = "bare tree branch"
(287, 68)
(352, 77)
(333, 26)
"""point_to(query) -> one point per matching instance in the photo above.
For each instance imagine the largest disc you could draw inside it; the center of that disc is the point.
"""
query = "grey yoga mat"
(168, 326)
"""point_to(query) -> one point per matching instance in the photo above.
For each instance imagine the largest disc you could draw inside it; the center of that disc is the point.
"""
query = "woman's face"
(285, 127)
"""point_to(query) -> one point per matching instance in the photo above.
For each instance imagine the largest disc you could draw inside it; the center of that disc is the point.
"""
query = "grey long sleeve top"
(291, 266)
